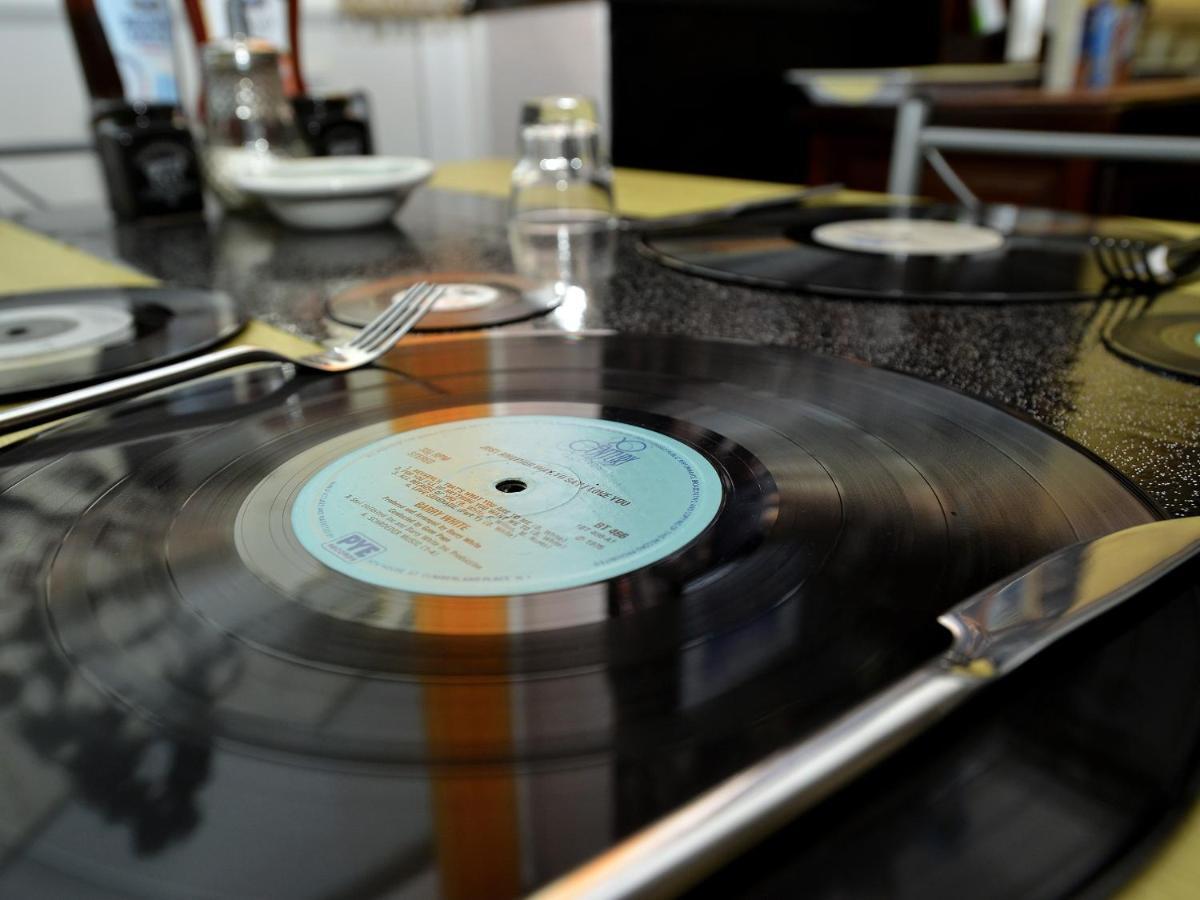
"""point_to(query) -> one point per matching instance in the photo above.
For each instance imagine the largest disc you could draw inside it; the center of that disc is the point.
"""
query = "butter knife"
(994, 632)
(682, 220)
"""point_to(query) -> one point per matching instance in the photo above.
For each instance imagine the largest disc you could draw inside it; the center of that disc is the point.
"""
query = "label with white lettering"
(506, 505)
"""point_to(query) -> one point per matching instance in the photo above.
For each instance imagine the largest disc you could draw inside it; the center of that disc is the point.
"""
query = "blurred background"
(802, 91)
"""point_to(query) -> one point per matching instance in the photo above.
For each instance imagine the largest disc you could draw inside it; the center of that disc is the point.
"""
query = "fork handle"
(92, 396)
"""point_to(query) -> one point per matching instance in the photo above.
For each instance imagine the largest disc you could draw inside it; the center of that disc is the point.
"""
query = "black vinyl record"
(208, 687)
(1167, 342)
(469, 300)
(53, 339)
(896, 252)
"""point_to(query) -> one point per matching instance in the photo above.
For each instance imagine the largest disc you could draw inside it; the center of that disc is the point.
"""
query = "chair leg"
(904, 173)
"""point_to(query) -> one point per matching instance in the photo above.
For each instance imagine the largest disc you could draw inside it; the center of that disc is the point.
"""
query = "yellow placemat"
(32, 262)
(638, 192)
(1174, 872)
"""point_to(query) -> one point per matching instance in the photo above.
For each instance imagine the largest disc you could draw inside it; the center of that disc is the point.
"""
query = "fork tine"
(1101, 248)
(384, 320)
(387, 339)
(1113, 259)
(413, 314)
(1141, 266)
(1121, 259)
(1129, 262)
(1117, 259)
(391, 312)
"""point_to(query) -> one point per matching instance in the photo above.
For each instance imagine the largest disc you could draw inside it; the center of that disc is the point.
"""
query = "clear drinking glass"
(562, 217)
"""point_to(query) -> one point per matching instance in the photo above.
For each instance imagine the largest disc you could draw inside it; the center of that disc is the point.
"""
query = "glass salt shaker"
(249, 123)
(562, 215)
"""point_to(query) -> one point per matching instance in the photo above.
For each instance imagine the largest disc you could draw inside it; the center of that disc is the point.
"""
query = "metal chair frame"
(916, 142)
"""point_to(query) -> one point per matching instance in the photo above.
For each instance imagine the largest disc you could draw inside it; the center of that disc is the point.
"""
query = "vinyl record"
(58, 338)
(1167, 342)
(896, 252)
(469, 300)
(453, 629)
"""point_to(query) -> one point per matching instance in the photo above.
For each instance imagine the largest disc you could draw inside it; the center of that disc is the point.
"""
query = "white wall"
(540, 51)
(42, 100)
(447, 89)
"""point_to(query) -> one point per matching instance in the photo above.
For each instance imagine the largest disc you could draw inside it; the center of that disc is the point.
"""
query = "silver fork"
(376, 338)
(1147, 264)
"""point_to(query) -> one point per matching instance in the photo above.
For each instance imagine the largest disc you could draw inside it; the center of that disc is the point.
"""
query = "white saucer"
(335, 192)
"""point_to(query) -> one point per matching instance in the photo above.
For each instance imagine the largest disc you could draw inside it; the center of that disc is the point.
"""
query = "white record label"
(33, 331)
(908, 237)
(460, 297)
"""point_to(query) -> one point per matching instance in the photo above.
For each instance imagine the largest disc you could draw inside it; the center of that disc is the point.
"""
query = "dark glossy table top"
(1046, 362)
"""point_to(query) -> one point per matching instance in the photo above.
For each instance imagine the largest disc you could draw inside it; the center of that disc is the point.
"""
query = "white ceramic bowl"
(335, 192)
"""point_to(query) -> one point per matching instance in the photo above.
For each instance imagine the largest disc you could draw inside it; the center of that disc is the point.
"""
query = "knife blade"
(993, 632)
(682, 220)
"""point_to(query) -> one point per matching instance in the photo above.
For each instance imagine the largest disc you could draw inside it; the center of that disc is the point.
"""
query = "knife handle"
(703, 217)
(683, 847)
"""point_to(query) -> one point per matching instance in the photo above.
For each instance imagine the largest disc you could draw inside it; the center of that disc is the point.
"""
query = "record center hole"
(511, 486)
(16, 331)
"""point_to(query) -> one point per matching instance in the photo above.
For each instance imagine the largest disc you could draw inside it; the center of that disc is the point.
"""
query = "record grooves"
(206, 666)
(937, 253)
(1170, 343)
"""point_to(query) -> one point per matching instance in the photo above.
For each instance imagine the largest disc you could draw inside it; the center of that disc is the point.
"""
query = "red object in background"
(204, 30)
(293, 79)
(146, 150)
(99, 66)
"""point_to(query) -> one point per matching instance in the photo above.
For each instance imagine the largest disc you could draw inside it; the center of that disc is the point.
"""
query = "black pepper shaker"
(337, 125)
(149, 159)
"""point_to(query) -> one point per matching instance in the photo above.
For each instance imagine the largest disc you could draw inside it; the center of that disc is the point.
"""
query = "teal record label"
(506, 505)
